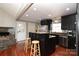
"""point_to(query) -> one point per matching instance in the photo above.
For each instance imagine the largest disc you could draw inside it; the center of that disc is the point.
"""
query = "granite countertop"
(42, 32)
(49, 32)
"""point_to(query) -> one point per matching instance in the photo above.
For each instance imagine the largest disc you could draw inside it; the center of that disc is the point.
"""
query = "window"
(56, 27)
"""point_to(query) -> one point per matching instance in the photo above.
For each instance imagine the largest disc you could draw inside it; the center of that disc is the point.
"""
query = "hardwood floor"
(60, 51)
(18, 50)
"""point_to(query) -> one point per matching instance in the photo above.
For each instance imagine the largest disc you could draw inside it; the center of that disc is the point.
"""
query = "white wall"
(31, 28)
(6, 20)
(27, 27)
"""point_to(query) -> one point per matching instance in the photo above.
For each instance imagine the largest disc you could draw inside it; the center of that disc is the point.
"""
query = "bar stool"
(27, 44)
(35, 48)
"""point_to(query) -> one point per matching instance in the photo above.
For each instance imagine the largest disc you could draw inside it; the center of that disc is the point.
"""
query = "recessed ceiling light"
(19, 25)
(67, 8)
(34, 9)
(56, 21)
(27, 15)
(49, 15)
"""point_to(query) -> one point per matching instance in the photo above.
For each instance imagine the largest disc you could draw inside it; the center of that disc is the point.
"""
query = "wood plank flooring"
(18, 50)
(60, 51)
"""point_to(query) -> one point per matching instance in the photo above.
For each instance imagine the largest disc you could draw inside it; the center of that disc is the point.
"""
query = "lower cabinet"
(63, 41)
(71, 42)
(68, 42)
(47, 45)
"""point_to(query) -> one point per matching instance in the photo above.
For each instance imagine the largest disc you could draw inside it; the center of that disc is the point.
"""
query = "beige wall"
(6, 20)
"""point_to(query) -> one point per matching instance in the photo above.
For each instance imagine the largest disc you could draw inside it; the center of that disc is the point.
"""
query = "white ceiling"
(12, 9)
(42, 10)
(52, 9)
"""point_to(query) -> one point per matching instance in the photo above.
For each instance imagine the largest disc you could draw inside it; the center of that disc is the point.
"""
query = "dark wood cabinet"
(63, 42)
(68, 42)
(71, 42)
(68, 22)
(47, 45)
(47, 22)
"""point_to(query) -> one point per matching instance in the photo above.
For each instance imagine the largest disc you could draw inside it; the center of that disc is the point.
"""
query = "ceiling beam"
(24, 10)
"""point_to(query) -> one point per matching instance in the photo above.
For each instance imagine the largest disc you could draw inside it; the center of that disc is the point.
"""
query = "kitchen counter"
(41, 32)
(49, 32)
(52, 33)
(47, 45)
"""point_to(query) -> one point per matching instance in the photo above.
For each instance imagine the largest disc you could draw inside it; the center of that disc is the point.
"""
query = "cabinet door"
(68, 22)
(71, 42)
(63, 42)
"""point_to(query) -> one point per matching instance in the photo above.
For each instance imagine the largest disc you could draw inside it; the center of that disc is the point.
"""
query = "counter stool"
(35, 48)
(27, 44)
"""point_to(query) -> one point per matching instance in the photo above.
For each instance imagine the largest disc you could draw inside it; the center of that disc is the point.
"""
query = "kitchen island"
(47, 44)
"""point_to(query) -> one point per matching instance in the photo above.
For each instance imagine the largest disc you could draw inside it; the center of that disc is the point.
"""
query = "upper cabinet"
(6, 20)
(46, 21)
(68, 22)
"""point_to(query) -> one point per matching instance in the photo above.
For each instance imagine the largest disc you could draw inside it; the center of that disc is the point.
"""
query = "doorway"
(20, 31)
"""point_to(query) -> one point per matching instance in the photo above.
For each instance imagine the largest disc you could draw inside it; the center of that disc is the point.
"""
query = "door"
(20, 31)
